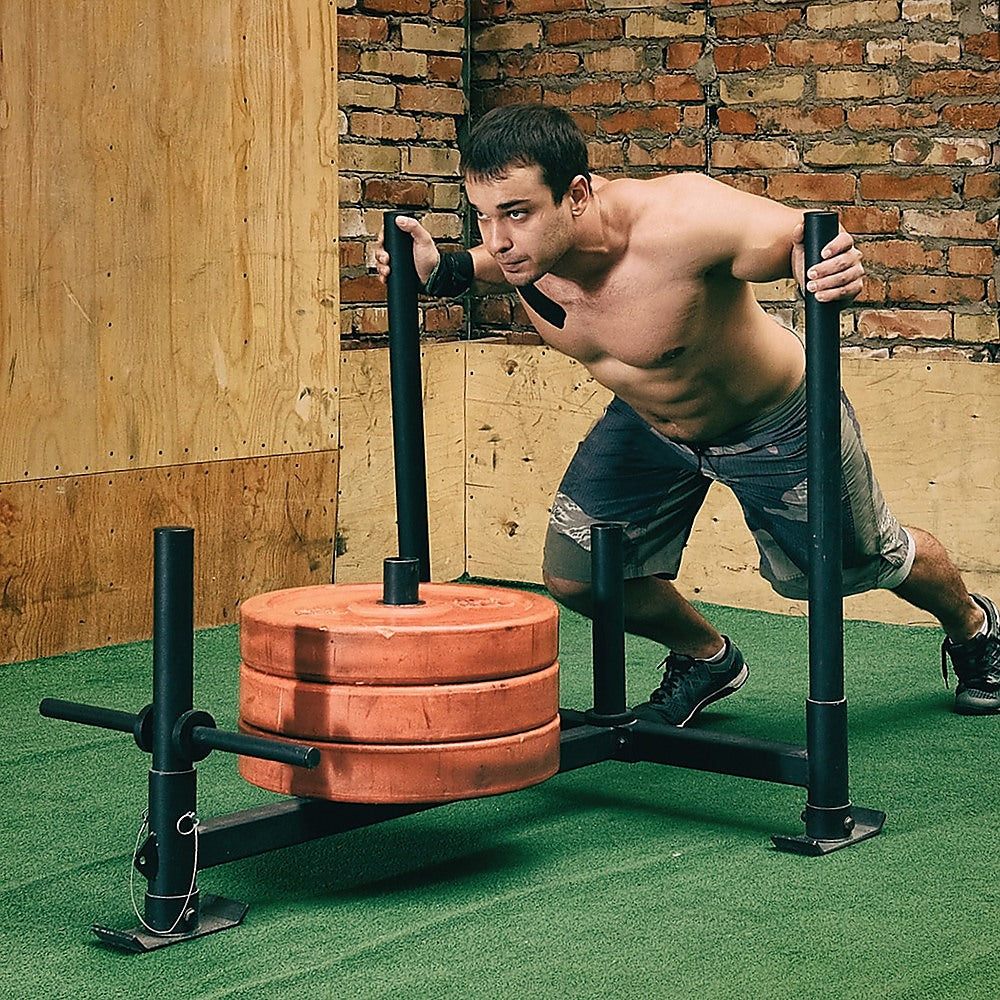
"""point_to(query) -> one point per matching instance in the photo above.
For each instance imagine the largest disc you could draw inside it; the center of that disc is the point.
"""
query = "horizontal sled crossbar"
(656, 743)
(285, 823)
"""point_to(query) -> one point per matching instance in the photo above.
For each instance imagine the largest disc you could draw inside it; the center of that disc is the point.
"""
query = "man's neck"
(598, 246)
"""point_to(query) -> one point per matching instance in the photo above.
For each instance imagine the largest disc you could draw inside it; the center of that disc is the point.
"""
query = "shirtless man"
(647, 284)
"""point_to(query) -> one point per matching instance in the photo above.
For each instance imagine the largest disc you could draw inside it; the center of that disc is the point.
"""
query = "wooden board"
(527, 408)
(76, 553)
(168, 281)
(926, 427)
(366, 522)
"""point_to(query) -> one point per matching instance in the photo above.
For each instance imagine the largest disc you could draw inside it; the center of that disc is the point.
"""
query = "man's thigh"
(624, 472)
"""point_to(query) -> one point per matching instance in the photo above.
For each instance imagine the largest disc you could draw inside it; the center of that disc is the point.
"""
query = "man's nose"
(496, 238)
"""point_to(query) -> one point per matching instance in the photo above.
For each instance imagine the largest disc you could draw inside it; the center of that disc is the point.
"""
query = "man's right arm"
(427, 258)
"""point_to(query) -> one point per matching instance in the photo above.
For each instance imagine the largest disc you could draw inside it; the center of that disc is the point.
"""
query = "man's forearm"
(487, 270)
(459, 271)
(452, 276)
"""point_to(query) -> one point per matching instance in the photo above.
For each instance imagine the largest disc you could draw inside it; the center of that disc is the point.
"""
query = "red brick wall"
(402, 96)
(887, 110)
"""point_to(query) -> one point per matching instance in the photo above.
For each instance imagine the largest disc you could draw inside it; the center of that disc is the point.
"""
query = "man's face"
(524, 230)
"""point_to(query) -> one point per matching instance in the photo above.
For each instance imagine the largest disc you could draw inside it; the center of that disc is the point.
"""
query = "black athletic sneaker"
(689, 685)
(977, 665)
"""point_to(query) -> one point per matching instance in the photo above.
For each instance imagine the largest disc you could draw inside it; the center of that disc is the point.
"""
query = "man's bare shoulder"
(686, 196)
(638, 190)
(685, 213)
(707, 219)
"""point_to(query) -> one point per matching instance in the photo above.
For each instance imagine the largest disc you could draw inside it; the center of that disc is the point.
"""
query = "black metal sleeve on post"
(608, 636)
(410, 462)
(828, 809)
(171, 902)
(173, 641)
(401, 581)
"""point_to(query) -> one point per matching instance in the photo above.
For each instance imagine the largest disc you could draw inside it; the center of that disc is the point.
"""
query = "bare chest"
(639, 321)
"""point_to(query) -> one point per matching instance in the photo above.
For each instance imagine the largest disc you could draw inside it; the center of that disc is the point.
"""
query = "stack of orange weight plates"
(452, 698)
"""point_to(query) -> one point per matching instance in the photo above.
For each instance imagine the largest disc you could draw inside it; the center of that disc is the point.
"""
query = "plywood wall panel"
(76, 552)
(926, 427)
(168, 285)
(366, 522)
(526, 411)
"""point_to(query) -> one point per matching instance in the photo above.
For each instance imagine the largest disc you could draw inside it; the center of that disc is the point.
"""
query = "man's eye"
(517, 213)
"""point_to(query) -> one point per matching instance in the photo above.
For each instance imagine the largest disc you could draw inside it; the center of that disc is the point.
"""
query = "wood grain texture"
(526, 411)
(927, 427)
(366, 522)
(168, 281)
(76, 554)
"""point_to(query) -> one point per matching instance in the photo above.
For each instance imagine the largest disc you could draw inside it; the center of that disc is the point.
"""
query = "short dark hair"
(524, 135)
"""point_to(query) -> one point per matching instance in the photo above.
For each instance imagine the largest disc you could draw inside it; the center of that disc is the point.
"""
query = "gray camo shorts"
(626, 471)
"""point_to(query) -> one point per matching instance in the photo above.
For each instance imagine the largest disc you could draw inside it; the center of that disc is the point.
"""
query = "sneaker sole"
(734, 685)
(967, 708)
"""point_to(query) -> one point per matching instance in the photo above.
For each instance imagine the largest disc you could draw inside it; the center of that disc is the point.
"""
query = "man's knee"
(575, 594)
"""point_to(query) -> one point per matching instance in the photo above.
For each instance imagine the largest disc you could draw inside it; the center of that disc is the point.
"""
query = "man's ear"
(578, 194)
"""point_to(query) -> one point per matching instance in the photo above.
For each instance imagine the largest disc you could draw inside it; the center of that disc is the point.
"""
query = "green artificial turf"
(615, 880)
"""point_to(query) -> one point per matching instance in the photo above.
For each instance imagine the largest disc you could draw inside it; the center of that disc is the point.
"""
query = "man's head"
(525, 135)
(526, 177)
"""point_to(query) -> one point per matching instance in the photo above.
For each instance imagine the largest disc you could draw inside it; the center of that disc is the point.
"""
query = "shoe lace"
(979, 660)
(676, 668)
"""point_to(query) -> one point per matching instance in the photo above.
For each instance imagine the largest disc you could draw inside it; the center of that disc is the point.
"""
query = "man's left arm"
(767, 239)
